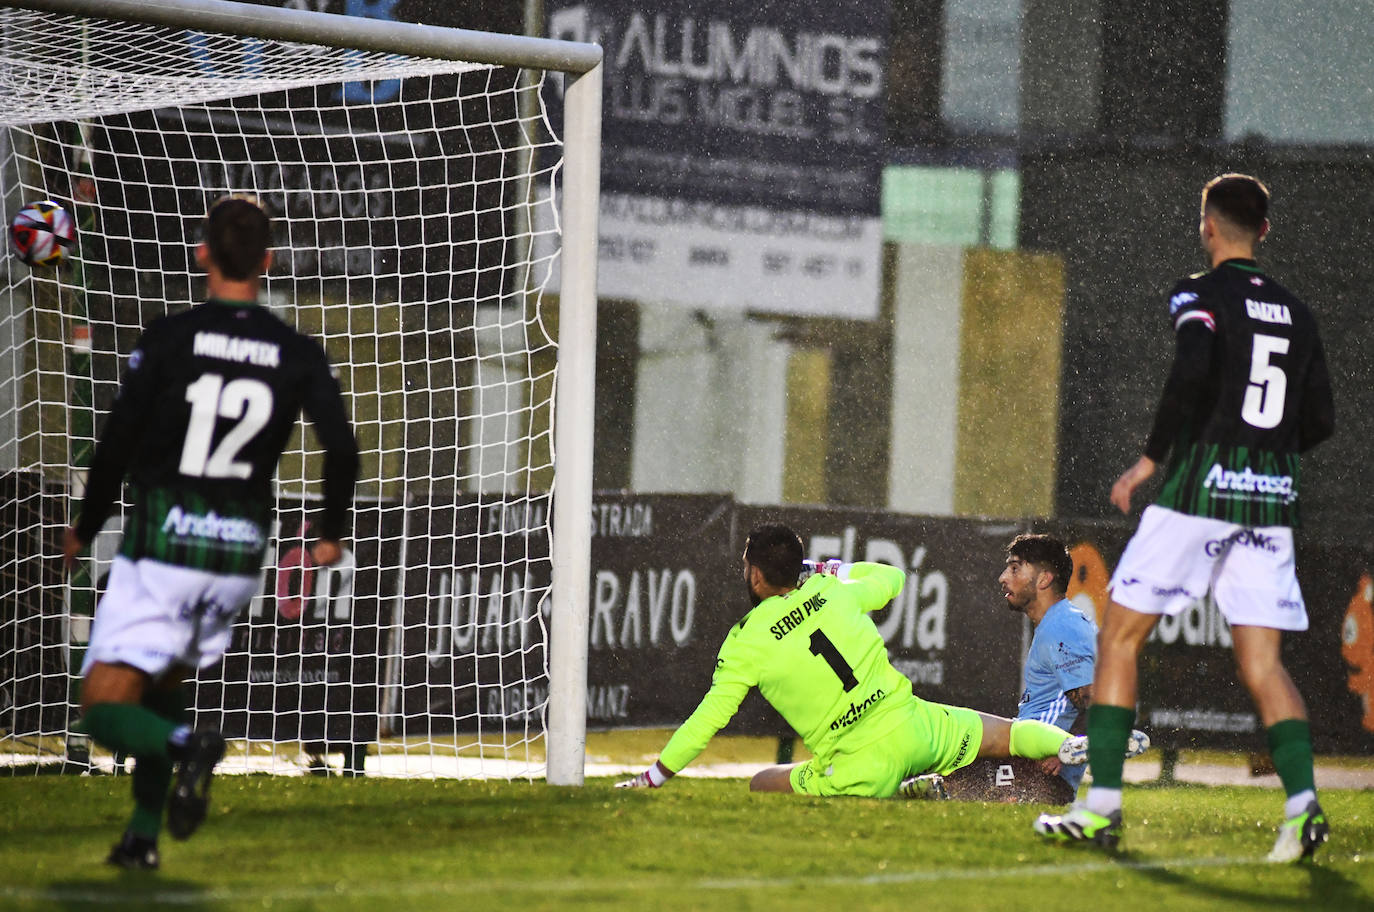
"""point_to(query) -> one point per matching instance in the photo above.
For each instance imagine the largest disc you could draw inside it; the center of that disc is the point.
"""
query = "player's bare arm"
(1080, 697)
(1131, 479)
(72, 546)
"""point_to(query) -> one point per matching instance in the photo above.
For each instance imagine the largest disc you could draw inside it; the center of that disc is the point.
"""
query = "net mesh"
(405, 193)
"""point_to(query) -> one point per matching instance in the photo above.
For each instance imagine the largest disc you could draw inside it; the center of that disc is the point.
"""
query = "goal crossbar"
(335, 30)
(573, 410)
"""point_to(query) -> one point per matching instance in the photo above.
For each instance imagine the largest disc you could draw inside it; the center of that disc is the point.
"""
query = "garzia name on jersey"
(1269, 313)
(212, 525)
(792, 619)
(233, 348)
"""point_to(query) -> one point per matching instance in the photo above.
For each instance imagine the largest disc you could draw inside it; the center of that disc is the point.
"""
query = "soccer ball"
(41, 233)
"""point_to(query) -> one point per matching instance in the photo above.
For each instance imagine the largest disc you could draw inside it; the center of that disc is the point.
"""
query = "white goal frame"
(573, 408)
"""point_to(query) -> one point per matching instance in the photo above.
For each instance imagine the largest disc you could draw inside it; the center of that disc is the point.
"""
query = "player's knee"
(112, 683)
(1119, 643)
(772, 779)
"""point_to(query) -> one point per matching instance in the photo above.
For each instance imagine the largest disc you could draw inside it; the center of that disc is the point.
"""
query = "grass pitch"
(335, 844)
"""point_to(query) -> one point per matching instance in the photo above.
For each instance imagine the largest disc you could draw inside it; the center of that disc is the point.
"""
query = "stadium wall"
(397, 643)
(1125, 222)
(665, 591)
(975, 381)
(949, 631)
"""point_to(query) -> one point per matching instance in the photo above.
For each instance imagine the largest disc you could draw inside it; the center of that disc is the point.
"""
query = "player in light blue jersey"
(1056, 689)
(1058, 682)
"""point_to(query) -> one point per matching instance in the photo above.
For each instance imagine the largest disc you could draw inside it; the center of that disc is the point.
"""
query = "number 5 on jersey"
(1263, 405)
(246, 401)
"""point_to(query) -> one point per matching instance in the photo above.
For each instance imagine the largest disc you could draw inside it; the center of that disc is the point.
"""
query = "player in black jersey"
(1248, 392)
(204, 410)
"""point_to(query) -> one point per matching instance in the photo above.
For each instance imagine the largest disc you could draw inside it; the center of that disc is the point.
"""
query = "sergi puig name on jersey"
(1269, 313)
(792, 619)
(233, 348)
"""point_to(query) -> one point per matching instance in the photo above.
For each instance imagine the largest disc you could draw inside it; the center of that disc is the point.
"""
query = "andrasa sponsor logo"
(1247, 481)
(855, 711)
(222, 528)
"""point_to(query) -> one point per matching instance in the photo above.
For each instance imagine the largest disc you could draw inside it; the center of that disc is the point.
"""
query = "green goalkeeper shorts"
(923, 737)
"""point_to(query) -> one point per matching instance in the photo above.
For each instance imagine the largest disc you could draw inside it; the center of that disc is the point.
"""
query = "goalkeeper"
(816, 656)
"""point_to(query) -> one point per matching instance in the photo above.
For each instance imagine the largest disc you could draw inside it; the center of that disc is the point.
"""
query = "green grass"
(339, 844)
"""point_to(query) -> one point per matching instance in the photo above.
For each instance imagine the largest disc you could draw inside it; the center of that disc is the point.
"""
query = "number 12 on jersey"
(247, 401)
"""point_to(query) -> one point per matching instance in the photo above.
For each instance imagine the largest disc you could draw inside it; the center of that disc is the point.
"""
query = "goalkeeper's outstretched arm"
(653, 777)
(729, 686)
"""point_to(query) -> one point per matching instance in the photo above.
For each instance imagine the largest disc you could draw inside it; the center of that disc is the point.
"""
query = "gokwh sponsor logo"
(1246, 538)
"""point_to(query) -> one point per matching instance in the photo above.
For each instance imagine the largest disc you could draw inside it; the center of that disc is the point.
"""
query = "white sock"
(1103, 800)
(1296, 804)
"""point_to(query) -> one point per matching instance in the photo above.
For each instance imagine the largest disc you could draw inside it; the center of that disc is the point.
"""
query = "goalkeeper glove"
(653, 777)
(833, 567)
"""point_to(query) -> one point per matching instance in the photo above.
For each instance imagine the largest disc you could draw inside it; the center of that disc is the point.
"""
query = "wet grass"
(342, 844)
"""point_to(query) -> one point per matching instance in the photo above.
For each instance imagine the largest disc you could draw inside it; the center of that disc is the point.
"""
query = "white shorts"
(1174, 559)
(156, 615)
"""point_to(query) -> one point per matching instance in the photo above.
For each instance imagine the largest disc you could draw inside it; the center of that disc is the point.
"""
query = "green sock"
(1036, 740)
(128, 729)
(152, 774)
(169, 704)
(152, 778)
(1109, 728)
(1290, 745)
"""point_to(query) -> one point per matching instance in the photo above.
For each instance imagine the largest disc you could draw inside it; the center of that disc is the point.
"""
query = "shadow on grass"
(128, 890)
(1327, 889)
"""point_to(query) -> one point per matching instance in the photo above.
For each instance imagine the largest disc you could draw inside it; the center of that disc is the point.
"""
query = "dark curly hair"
(1047, 552)
(777, 551)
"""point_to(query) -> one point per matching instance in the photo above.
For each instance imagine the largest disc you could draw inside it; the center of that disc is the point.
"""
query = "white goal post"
(411, 169)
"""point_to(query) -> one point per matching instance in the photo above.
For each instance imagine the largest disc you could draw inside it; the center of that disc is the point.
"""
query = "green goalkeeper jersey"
(815, 655)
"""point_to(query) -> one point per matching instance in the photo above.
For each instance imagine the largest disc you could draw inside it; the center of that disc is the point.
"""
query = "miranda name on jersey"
(232, 348)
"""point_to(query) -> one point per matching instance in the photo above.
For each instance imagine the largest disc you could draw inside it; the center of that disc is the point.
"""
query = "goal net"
(406, 192)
